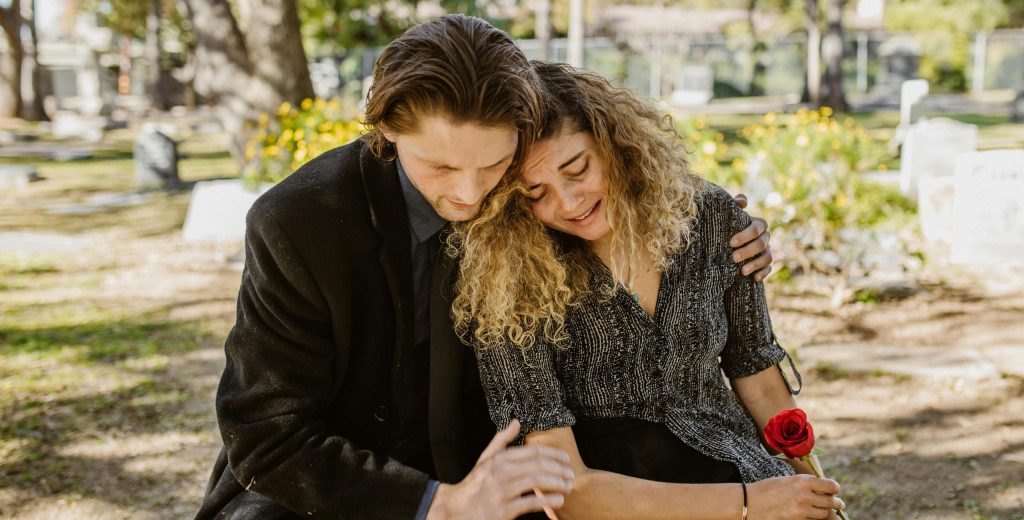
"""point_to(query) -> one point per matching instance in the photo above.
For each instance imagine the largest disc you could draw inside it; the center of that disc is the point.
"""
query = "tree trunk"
(813, 54)
(10, 62)
(832, 49)
(757, 50)
(244, 74)
(31, 75)
(154, 69)
(542, 28)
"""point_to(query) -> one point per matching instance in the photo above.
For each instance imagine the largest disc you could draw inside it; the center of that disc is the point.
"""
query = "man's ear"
(388, 133)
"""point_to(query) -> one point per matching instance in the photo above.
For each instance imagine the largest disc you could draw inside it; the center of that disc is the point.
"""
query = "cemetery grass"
(110, 356)
(994, 131)
(105, 387)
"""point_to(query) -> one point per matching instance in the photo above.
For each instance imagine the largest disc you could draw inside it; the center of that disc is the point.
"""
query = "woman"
(599, 293)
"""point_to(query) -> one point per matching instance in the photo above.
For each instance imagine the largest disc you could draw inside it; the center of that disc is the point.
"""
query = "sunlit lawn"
(96, 389)
(84, 348)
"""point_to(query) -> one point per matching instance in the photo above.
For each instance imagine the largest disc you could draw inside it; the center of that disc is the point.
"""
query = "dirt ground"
(903, 447)
(110, 355)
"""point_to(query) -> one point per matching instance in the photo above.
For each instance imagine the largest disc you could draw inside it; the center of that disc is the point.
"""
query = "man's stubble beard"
(451, 214)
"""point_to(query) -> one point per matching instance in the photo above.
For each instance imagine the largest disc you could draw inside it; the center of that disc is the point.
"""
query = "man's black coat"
(318, 357)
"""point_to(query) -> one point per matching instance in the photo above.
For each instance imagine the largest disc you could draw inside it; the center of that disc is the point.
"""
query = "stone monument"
(988, 210)
(156, 160)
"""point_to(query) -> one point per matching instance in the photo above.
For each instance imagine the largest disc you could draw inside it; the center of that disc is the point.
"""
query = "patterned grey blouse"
(666, 369)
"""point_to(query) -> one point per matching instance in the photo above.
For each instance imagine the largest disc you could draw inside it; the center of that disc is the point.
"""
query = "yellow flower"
(284, 109)
(770, 117)
(701, 123)
(286, 135)
(299, 134)
(826, 111)
(709, 147)
(306, 104)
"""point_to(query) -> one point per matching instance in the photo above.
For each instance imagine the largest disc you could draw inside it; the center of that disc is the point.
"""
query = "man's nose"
(470, 187)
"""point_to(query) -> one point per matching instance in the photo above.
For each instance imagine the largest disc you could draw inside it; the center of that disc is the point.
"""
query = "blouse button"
(381, 413)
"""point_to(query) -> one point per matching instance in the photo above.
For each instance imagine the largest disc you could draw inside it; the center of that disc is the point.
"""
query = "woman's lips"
(582, 219)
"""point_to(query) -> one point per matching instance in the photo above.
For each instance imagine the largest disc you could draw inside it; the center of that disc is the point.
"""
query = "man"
(346, 392)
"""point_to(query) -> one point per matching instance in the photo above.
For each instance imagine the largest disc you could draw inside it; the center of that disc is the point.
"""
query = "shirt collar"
(423, 220)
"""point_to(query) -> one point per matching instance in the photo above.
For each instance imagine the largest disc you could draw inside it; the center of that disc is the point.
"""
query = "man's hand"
(501, 484)
(752, 243)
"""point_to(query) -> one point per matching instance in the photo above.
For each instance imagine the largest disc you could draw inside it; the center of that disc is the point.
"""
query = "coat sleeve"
(275, 389)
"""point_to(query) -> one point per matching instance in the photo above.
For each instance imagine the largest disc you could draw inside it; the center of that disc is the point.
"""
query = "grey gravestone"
(217, 210)
(696, 85)
(901, 59)
(988, 212)
(156, 160)
(1018, 107)
(17, 175)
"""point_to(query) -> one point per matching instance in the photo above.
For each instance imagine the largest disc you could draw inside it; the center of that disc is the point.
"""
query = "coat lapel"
(448, 442)
(391, 222)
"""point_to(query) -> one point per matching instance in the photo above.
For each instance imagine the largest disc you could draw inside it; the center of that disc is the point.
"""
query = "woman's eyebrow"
(572, 159)
(561, 166)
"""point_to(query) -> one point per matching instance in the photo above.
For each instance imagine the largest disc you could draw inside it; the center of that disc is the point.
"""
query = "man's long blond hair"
(517, 278)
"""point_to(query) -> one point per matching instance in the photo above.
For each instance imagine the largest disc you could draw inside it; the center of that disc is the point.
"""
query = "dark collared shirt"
(424, 225)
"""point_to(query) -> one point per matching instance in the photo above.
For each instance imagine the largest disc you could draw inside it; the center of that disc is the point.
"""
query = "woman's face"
(564, 177)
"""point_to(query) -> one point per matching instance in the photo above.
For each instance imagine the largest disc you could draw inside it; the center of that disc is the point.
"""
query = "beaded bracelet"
(744, 484)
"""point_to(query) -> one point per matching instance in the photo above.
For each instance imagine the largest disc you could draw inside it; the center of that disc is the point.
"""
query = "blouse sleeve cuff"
(754, 361)
(547, 420)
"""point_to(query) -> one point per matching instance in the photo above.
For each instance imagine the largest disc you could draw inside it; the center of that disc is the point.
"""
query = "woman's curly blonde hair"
(518, 278)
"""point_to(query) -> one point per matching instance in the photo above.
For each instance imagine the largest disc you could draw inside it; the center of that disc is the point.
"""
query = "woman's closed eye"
(578, 174)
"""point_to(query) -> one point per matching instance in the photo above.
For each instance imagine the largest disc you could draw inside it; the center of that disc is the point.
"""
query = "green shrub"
(803, 172)
(294, 135)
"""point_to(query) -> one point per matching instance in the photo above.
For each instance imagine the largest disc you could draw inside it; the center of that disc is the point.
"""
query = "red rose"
(790, 433)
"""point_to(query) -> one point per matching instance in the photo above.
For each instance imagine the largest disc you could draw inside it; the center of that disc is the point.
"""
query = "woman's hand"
(792, 498)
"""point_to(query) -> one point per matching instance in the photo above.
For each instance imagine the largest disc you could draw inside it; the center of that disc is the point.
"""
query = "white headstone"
(911, 93)
(17, 175)
(927, 167)
(72, 125)
(696, 85)
(217, 210)
(988, 212)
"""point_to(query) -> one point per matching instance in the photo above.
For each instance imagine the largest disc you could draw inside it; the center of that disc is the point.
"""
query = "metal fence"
(996, 62)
